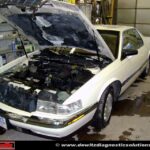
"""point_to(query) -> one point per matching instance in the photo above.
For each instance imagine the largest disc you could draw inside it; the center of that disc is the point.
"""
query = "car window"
(132, 40)
(112, 40)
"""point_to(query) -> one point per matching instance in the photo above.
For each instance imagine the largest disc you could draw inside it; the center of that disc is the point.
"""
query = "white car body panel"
(133, 60)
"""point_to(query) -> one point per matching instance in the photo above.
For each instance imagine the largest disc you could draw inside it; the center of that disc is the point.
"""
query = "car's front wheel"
(104, 110)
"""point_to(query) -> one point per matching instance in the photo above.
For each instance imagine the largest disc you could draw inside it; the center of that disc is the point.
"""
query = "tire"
(2, 131)
(146, 70)
(104, 110)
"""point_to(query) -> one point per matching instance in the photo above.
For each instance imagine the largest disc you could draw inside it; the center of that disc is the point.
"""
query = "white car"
(74, 77)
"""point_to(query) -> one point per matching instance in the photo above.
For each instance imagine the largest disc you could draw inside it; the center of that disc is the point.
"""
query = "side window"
(132, 39)
(112, 39)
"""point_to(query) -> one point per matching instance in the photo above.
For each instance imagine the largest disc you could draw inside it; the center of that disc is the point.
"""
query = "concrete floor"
(130, 119)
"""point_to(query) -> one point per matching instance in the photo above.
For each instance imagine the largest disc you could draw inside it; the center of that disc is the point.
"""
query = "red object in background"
(7, 145)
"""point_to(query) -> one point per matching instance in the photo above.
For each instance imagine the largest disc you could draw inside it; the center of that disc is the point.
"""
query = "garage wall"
(135, 13)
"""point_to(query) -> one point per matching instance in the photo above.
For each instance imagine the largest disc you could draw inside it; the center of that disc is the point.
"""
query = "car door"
(132, 64)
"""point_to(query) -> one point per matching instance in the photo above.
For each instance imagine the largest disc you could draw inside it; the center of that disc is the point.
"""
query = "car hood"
(53, 23)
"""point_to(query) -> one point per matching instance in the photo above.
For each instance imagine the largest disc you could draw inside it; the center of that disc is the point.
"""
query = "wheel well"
(117, 89)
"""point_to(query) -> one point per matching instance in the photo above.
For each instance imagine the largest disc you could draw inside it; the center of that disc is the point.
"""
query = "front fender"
(105, 86)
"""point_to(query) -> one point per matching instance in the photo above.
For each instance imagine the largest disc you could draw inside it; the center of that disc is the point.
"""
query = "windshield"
(112, 40)
(55, 29)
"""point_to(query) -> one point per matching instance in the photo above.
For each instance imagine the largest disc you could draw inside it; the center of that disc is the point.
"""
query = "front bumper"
(46, 130)
(52, 132)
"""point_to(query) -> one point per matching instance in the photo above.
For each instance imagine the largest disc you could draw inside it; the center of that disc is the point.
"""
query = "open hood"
(53, 23)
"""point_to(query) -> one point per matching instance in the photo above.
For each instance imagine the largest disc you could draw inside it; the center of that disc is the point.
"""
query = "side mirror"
(129, 52)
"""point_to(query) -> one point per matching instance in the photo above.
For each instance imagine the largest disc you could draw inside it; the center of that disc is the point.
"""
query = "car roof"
(119, 28)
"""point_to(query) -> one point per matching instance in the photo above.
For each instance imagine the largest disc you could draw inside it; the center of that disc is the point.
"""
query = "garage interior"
(131, 115)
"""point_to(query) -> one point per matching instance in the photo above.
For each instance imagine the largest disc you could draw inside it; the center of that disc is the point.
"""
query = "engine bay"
(48, 70)
(48, 75)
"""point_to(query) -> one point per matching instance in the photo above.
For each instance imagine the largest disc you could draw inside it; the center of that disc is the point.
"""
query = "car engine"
(48, 75)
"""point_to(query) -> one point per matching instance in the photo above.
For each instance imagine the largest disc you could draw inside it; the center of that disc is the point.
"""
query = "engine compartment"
(48, 75)
(48, 70)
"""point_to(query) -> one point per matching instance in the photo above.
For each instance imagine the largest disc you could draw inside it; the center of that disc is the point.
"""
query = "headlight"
(55, 108)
